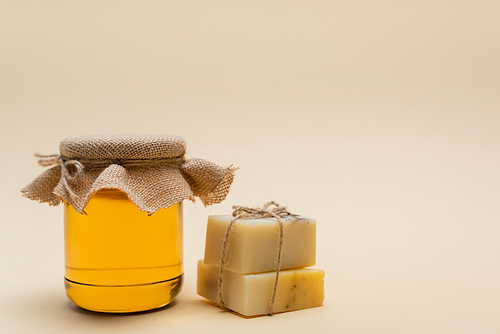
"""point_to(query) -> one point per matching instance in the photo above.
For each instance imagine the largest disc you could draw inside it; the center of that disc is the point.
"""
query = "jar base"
(123, 299)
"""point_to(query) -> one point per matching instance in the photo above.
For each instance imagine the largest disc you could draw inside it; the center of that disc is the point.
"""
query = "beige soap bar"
(254, 243)
(251, 294)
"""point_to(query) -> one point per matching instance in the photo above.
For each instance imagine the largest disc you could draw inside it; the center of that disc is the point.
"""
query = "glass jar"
(120, 259)
(124, 256)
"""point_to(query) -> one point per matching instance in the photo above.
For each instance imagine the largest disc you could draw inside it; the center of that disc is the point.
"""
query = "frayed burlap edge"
(150, 189)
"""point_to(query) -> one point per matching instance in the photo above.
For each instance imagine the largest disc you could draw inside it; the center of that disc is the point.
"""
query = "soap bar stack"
(250, 272)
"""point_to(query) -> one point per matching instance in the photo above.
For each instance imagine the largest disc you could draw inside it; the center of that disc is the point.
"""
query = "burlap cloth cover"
(151, 170)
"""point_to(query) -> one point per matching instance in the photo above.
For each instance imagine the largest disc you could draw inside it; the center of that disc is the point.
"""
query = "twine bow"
(242, 212)
(70, 169)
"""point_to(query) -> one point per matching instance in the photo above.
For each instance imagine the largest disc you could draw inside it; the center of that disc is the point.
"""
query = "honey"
(120, 259)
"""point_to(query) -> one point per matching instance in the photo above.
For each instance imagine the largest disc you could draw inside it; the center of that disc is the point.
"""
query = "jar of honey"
(123, 216)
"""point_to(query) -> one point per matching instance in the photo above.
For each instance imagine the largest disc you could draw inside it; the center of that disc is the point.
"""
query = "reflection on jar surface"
(119, 259)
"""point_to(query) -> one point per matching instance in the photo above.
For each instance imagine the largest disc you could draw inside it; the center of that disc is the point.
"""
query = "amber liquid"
(119, 259)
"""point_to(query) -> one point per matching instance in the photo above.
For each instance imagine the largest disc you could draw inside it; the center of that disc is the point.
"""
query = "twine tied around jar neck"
(242, 212)
(72, 168)
(55, 159)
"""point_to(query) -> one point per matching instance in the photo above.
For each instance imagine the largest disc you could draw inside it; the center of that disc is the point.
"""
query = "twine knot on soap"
(269, 210)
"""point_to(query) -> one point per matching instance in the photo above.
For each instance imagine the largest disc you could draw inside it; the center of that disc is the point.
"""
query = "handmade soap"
(254, 243)
(250, 294)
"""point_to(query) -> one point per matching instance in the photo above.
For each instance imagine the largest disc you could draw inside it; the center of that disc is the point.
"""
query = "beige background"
(378, 118)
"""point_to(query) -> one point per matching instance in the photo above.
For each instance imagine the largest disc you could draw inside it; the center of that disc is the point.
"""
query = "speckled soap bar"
(250, 294)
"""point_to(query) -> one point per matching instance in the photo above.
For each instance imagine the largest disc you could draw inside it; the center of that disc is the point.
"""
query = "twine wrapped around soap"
(150, 169)
(242, 212)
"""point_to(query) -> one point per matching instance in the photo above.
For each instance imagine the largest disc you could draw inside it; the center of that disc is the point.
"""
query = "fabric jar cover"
(150, 169)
